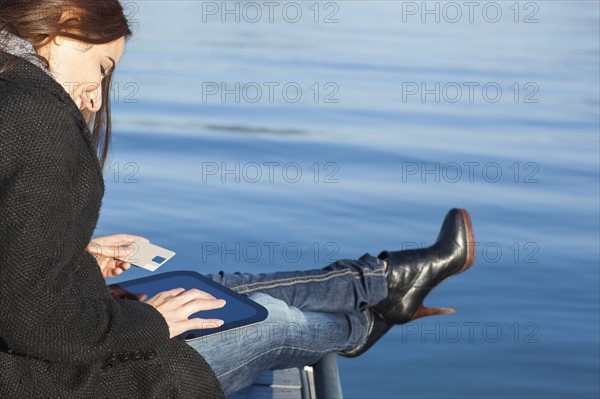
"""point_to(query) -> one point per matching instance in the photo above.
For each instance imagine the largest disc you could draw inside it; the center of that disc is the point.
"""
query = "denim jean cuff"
(363, 341)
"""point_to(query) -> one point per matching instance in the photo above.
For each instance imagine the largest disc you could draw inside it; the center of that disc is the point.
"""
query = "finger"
(117, 252)
(94, 248)
(124, 250)
(197, 324)
(177, 301)
(130, 238)
(109, 273)
(104, 263)
(125, 239)
(123, 265)
(111, 251)
(195, 293)
(174, 291)
(161, 297)
(206, 323)
(116, 239)
(199, 305)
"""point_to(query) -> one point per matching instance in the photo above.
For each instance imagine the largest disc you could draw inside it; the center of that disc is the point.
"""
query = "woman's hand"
(106, 249)
(178, 304)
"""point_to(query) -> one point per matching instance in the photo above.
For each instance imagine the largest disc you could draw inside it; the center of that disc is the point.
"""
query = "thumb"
(112, 251)
(122, 251)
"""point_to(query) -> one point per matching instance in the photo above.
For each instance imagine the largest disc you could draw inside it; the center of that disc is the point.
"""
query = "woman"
(61, 333)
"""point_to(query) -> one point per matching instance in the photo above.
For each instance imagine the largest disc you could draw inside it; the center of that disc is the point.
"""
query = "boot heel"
(424, 311)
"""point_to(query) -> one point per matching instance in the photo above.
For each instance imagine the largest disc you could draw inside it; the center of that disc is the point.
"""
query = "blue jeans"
(311, 313)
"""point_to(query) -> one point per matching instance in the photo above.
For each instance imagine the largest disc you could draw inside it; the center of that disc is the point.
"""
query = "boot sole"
(470, 241)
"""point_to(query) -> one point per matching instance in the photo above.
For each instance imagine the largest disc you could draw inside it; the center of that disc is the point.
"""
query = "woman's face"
(79, 67)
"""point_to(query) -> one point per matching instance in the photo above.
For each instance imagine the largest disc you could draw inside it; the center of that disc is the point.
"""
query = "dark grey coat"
(61, 333)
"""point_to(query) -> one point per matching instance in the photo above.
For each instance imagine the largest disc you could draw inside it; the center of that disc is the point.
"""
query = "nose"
(91, 98)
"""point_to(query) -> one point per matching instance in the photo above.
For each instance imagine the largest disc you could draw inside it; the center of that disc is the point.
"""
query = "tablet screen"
(237, 312)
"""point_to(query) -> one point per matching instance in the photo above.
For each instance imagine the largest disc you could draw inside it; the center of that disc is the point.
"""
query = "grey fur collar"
(20, 47)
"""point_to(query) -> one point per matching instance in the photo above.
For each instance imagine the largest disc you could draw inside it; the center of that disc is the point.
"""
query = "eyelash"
(102, 70)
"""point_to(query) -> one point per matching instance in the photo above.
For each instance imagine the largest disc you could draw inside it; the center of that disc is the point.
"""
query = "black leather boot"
(413, 273)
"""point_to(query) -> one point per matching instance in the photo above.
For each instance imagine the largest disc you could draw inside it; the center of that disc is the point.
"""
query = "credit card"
(148, 256)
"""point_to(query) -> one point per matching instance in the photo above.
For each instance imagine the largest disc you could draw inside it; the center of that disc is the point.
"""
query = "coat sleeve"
(41, 313)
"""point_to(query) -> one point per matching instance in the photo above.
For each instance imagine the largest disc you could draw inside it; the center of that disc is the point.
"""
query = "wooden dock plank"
(263, 392)
(285, 384)
(320, 381)
(287, 377)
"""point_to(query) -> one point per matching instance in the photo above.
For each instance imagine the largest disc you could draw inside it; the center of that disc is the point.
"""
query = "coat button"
(137, 355)
(124, 357)
(150, 355)
(106, 367)
(111, 359)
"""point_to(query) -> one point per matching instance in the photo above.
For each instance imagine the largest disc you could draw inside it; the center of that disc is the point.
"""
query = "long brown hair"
(92, 22)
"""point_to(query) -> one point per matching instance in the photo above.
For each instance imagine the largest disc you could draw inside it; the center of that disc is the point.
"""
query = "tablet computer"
(239, 310)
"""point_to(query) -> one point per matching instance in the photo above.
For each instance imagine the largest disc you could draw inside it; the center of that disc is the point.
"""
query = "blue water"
(286, 180)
